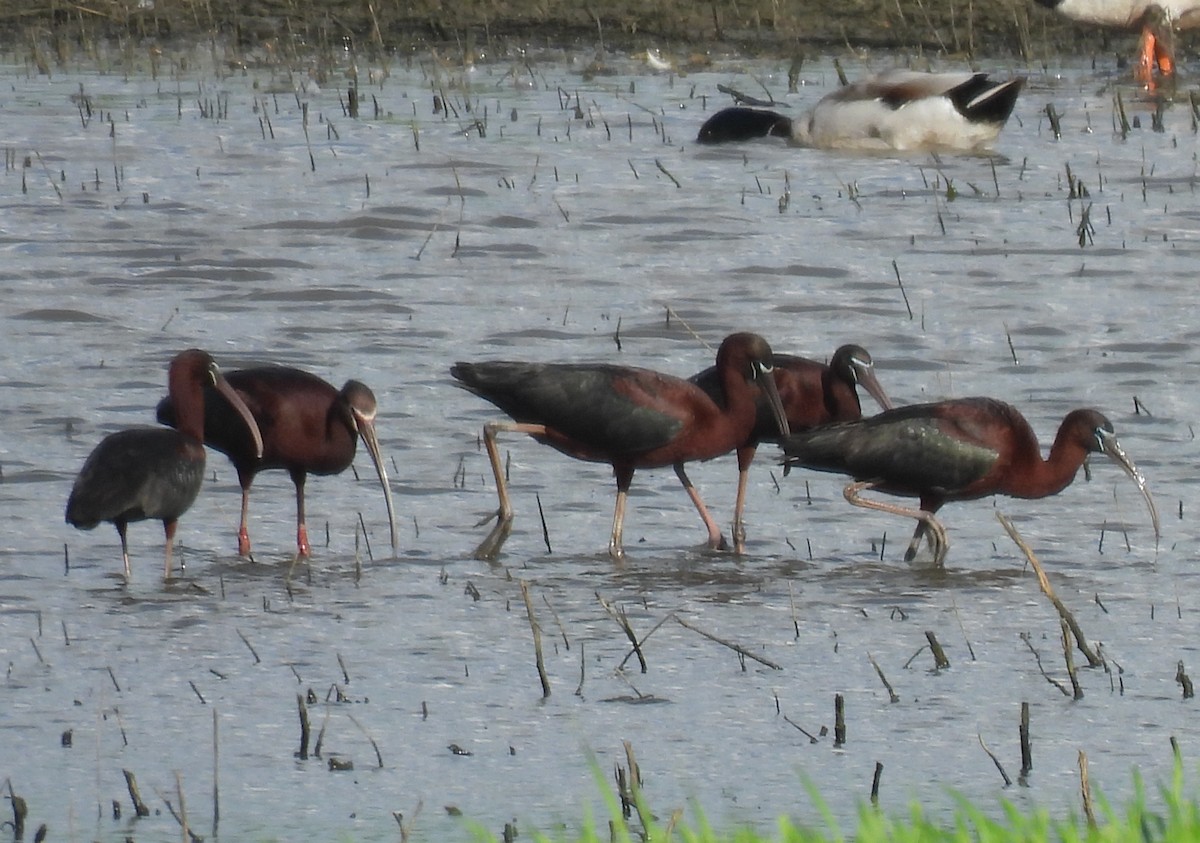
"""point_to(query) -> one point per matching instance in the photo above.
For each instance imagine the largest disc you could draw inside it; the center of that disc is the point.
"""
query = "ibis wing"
(135, 474)
(911, 453)
(612, 409)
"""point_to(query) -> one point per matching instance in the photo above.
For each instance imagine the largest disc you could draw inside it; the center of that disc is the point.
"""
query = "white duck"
(1157, 22)
(899, 110)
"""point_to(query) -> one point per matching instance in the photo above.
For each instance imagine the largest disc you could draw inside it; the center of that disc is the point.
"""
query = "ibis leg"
(243, 531)
(489, 548)
(169, 526)
(745, 456)
(616, 547)
(121, 527)
(303, 549)
(938, 541)
(715, 539)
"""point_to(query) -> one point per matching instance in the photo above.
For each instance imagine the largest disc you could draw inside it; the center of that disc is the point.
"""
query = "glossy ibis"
(308, 427)
(630, 418)
(956, 450)
(898, 109)
(812, 393)
(133, 475)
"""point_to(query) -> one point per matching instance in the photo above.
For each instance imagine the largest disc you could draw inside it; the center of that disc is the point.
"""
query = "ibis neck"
(188, 398)
(1053, 474)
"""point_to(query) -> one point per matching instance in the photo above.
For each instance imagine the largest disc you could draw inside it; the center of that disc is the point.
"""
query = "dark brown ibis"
(813, 393)
(142, 473)
(957, 450)
(628, 417)
(308, 427)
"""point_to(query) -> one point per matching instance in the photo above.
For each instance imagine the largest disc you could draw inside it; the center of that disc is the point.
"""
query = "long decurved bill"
(766, 380)
(866, 377)
(235, 401)
(1113, 450)
(366, 430)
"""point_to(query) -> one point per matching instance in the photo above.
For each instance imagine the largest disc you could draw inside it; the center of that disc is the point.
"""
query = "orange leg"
(1144, 72)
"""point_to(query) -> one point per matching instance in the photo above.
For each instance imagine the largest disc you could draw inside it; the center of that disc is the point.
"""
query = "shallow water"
(193, 211)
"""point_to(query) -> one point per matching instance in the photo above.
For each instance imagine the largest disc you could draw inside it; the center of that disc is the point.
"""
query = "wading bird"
(956, 450)
(899, 110)
(1156, 21)
(812, 394)
(143, 473)
(630, 418)
(308, 427)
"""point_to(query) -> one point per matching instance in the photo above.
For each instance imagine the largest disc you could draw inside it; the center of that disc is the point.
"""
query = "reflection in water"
(611, 238)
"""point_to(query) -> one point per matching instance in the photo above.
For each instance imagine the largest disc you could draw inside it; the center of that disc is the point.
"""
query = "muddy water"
(194, 211)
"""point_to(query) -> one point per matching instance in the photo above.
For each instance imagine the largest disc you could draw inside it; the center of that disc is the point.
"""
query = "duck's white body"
(898, 110)
(908, 110)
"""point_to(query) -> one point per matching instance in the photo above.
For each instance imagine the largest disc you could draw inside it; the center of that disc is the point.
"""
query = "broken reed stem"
(367, 735)
(635, 783)
(305, 730)
(742, 651)
(839, 720)
(216, 782)
(1184, 681)
(995, 760)
(642, 641)
(622, 620)
(183, 821)
(891, 693)
(1085, 790)
(20, 810)
(537, 639)
(545, 529)
(939, 655)
(896, 269)
(139, 806)
(875, 782)
(1068, 651)
(666, 173)
(562, 630)
(1026, 748)
(1048, 590)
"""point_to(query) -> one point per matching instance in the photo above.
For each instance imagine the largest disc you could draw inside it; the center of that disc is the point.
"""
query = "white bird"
(897, 110)
(1157, 22)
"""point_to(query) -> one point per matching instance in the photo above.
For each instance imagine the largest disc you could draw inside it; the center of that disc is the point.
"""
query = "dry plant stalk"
(741, 651)
(537, 639)
(1048, 590)
(1085, 790)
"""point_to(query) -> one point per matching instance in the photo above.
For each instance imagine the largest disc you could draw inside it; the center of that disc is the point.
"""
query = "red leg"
(302, 547)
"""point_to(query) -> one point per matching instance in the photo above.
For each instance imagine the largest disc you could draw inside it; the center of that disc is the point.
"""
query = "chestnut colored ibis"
(630, 418)
(957, 450)
(142, 473)
(308, 427)
(813, 394)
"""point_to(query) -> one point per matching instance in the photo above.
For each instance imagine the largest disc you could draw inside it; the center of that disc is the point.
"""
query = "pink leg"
(715, 539)
(169, 528)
